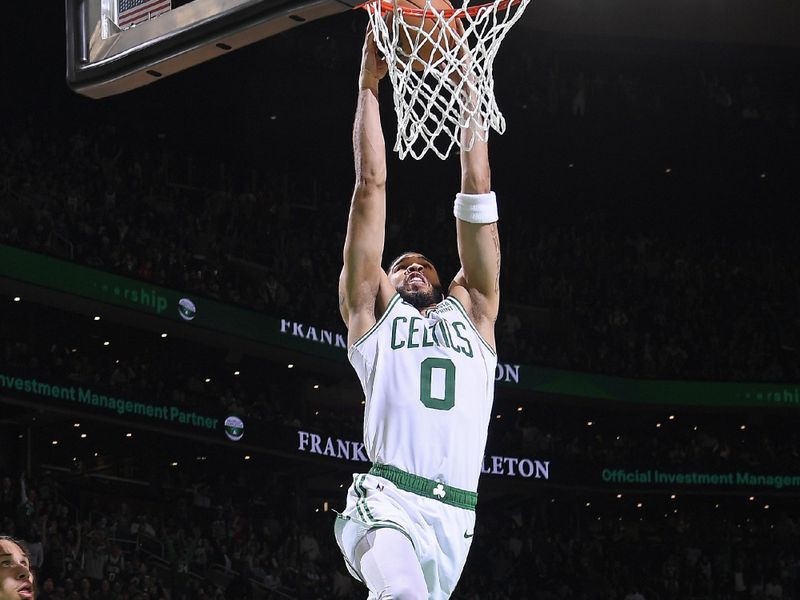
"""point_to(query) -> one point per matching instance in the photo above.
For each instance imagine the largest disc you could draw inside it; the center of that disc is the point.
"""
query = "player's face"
(16, 581)
(416, 280)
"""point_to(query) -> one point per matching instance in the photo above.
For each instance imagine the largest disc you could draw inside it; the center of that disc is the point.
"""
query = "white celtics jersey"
(429, 387)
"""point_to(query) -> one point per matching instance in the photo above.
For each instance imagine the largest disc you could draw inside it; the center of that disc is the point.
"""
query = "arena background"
(645, 439)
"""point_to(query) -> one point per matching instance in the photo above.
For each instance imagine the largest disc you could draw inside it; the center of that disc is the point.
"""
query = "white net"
(441, 73)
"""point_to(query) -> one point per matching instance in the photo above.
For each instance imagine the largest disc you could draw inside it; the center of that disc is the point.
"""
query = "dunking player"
(426, 361)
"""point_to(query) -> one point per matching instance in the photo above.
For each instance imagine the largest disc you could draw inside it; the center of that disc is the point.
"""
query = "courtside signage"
(90, 398)
(85, 282)
(343, 449)
(740, 479)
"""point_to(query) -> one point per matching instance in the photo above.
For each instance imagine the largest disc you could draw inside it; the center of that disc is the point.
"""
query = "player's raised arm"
(477, 284)
(362, 279)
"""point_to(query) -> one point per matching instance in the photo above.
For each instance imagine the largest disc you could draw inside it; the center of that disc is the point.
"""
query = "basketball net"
(452, 90)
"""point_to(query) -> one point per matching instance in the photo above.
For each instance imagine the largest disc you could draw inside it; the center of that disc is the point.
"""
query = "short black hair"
(439, 290)
(399, 257)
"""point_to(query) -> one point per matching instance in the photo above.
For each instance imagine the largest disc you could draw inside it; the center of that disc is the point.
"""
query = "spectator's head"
(16, 579)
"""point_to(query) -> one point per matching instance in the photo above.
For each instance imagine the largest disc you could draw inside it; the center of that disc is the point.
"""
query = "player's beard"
(420, 299)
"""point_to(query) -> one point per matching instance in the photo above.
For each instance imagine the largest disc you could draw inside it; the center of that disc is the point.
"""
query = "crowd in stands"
(660, 282)
(649, 285)
(250, 534)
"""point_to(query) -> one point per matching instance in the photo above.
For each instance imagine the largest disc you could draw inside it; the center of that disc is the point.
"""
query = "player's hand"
(459, 37)
(373, 64)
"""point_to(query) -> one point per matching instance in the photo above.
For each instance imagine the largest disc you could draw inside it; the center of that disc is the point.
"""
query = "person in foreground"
(16, 579)
(426, 360)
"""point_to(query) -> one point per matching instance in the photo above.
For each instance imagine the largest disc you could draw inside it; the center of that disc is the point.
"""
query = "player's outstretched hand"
(373, 64)
(463, 69)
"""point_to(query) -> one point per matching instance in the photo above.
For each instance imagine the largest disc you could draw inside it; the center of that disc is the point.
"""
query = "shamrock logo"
(439, 492)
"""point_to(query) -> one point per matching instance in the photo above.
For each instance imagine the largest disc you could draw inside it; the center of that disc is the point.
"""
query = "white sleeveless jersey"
(429, 387)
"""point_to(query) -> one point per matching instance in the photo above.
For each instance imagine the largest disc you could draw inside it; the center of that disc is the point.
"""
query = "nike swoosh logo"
(468, 535)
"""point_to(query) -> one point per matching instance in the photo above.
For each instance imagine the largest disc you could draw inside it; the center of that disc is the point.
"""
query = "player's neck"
(427, 310)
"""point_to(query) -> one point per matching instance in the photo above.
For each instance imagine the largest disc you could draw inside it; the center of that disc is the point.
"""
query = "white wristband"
(476, 208)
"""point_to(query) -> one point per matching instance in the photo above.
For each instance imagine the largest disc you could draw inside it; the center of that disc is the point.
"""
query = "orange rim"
(459, 13)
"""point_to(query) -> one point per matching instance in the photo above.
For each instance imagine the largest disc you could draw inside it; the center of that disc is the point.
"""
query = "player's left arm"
(477, 284)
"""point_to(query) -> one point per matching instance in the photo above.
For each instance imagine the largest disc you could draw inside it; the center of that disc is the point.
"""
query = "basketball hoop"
(440, 62)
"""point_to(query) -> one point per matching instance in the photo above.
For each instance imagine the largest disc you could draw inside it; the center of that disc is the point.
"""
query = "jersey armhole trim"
(461, 308)
(385, 314)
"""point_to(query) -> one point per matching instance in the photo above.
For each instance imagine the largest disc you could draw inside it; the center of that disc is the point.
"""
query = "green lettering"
(425, 381)
(445, 333)
(458, 325)
(427, 342)
(395, 343)
(412, 329)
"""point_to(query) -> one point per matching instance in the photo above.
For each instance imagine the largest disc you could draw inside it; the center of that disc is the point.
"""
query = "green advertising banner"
(77, 398)
(343, 447)
(84, 282)
(144, 297)
(708, 480)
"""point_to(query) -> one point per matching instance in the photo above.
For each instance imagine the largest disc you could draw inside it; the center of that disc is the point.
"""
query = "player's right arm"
(364, 289)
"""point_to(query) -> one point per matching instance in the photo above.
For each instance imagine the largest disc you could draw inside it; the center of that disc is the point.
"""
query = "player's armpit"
(482, 310)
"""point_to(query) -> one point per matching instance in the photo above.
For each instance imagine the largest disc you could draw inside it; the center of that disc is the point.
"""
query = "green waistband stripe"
(427, 488)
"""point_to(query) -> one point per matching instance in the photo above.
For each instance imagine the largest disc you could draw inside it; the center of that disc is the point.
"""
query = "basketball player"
(426, 360)
(16, 579)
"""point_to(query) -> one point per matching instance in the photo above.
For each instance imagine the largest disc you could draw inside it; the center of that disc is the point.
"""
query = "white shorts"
(440, 533)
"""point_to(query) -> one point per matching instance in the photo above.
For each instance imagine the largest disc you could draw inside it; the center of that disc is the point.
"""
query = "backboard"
(114, 46)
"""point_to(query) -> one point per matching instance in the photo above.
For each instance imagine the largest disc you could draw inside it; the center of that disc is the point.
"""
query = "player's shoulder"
(365, 316)
(465, 300)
